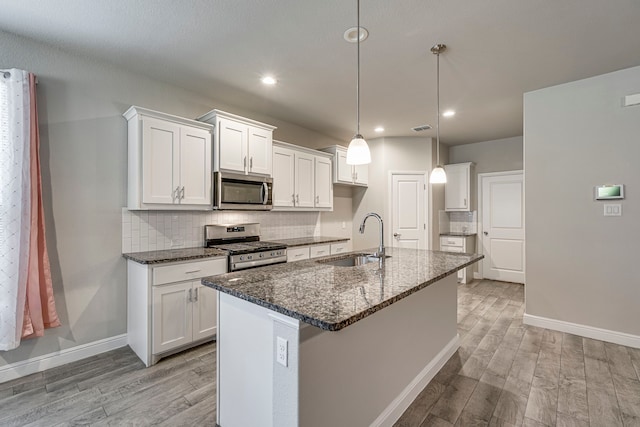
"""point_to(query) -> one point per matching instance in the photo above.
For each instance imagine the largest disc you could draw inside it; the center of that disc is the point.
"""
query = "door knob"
(396, 235)
(486, 233)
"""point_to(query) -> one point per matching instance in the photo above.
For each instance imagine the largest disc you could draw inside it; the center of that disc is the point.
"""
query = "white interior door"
(503, 227)
(408, 211)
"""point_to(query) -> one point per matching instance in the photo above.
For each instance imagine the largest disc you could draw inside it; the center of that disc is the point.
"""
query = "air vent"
(421, 128)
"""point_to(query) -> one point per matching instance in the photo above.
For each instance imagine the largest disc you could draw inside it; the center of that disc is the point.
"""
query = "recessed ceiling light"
(269, 80)
(351, 35)
(448, 113)
(379, 129)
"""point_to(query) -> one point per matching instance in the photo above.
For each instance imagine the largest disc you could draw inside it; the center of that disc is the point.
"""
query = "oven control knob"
(241, 258)
(249, 257)
(261, 255)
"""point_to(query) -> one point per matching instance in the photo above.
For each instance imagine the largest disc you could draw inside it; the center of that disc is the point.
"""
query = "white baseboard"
(607, 335)
(51, 360)
(396, 408)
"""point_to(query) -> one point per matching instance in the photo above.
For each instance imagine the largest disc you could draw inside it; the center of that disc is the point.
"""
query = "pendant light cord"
(358, 70)
(438, 106)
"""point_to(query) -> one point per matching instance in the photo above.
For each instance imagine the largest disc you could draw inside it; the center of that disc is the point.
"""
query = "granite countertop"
(458, 234)
(174, 255)
(333, 298)
(313, 240)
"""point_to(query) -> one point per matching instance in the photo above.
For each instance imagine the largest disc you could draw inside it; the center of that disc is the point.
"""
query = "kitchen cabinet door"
(323, 184)
(259, 151)
(172, 316)
(195, 167)
(344, 171)
(160, 146)
(232, 142)
(284, 191)
(457, 190)
(304, 180)
(204, 311)
(361, 174)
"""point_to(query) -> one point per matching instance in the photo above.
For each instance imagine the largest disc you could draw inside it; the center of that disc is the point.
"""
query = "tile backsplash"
(157, 230)
(458, 222)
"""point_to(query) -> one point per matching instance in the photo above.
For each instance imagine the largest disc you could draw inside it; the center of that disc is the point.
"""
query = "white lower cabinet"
(168, 307)
(300, 253)
(460, 244)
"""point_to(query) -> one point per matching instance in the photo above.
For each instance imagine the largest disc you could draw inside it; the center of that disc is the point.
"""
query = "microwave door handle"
(265, 193)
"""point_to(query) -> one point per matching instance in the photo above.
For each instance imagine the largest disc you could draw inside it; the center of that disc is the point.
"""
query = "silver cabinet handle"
(293, 199)
(317, 199)
(195, 299)
(191, 272)
(465, 202)
(175, 194)
(182, 193)
(245, 163)
(297, 199)
(190, 295)
(251, 163)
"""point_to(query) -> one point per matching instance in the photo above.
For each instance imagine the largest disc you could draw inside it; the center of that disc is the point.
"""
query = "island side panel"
(245, 363)
(369, 372)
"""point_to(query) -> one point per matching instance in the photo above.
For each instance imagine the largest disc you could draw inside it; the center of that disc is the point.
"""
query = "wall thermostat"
(607, 192)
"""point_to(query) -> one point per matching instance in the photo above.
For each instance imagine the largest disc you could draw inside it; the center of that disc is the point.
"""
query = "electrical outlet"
(612, 210)
(282, 356)
(344, 224)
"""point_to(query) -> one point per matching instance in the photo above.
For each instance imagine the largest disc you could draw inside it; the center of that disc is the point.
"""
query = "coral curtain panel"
(27, 305)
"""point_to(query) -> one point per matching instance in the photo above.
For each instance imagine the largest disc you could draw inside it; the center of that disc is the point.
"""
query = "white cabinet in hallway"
(344, 173)
(241, 145)
(457, 190)
(460, 244)
(169, 161)
(301, 178)
(168, 308)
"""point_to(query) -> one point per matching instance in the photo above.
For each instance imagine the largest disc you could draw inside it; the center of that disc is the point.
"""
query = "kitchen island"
(310, 343)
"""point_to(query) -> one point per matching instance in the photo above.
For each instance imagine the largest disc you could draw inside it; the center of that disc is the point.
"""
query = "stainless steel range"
(242, 242)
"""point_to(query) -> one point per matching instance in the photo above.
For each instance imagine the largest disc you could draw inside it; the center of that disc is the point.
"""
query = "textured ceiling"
(498, 49)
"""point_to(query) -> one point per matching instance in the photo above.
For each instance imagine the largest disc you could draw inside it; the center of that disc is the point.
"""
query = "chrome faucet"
(380, 252)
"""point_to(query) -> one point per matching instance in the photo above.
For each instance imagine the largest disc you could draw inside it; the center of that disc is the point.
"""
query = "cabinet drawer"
(452, 249)
(297, 254)
(320, 250)
(451, 241)
(341, 247)
(189, 271)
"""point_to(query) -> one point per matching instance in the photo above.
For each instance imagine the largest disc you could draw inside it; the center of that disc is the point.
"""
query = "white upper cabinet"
(301, 178)
(457, 190)
(344, 173)
(284, 191)
(323, 185)
(241, 145)
(169, 161)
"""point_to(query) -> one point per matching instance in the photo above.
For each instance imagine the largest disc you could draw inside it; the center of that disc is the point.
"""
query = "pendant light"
(358, 152)
(438, 175)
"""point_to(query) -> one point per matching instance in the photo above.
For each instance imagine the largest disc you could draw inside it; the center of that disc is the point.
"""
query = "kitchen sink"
(352, 260)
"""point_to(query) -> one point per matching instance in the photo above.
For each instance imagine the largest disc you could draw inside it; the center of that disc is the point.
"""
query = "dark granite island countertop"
(331, 297)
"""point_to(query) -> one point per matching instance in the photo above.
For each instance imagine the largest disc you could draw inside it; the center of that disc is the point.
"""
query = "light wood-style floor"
(504, 374)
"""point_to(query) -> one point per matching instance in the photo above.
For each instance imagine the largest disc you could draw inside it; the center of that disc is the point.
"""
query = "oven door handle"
(265, 193)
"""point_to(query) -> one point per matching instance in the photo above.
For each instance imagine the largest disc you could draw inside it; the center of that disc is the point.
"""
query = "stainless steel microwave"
(242, 192)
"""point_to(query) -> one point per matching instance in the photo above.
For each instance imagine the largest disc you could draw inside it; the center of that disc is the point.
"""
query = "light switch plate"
(612, 209)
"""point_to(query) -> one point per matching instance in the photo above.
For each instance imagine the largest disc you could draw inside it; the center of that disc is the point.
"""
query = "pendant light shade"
(438, 175)
(358, 152)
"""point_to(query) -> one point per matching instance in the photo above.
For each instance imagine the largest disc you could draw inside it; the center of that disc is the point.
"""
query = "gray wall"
(391, 154)
(84, 165)
(580, 264)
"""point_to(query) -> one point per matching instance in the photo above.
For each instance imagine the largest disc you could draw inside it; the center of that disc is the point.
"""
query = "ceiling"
(497, 50)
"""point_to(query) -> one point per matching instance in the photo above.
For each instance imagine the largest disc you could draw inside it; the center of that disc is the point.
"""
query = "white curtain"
(15, 200)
